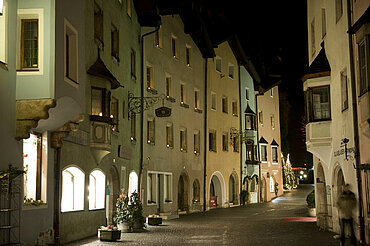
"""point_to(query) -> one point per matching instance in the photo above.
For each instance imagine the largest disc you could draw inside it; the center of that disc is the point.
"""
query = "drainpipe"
(205, 135)
(56, 195)
(142, 109)
(355, 126)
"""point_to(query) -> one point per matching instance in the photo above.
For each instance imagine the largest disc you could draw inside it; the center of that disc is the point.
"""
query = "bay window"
(318, 103)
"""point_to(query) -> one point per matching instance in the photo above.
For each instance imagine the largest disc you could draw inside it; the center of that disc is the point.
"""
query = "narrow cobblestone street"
(256, 224)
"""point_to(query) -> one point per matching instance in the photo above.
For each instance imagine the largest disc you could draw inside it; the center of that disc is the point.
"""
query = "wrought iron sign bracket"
(136, 104)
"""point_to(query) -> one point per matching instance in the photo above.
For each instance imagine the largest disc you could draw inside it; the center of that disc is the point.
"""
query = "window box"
(154, 221)
(109, 235)
(184, 105)
(170, 99)
(152, 90)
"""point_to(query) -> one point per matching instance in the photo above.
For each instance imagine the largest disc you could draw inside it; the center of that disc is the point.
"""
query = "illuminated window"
(272, 120)
(150, 131)
(133, 64)
(114, 43)
(225, 104)
(129, 8)
(158, 38)
(182, 94)
(183, 142)
(196, 142)
(225, 141)
(73, 186)
(132, 183)
(213, 100)
(114, 113)
(98, 23)
(3, 31)
(318, 103)
(263, 152)
(260, 117)
(70, 53)
(168, 188)
(274, 153)
(169, 135)
(234, 106)
(133, 126)
(344, 90)
(313, 48)
(29, 43)
(196, 191)
(363, 53)
(168, 87)
(323, 22)
(212, 140)
(250, 122)
(97, 103)
(174, 47)
(236, 143)
(231, 71)
(35, 165)
(96, 190)
(218, 64)
(338, 9)
(152, 188)
(188, 55)
(149, 77)
(196, 99)
(272, 92)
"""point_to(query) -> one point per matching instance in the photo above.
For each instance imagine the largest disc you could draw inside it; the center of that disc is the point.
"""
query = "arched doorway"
(132, 183)
(323, 215)
(216, 190)
(233, 188)
(337, 191)
(113, 191)
(182, 193)
(263, 190)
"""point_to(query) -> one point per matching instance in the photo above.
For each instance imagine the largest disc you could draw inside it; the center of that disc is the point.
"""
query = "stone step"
(168, 216)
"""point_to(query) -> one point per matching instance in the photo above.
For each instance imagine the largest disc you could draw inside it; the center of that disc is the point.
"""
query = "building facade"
(223, 122)
(271, 181)
(173, 173)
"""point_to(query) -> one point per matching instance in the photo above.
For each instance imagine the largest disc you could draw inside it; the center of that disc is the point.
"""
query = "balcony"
(319, 139)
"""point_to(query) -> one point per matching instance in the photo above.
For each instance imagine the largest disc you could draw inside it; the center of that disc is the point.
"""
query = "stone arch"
(196, 191)
(322, 206)
(233, 188)
(113, 191)
(183, 192)
(338, 182)
(217, 188)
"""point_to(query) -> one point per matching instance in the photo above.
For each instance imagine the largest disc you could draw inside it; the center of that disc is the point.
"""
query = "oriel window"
(29, 43)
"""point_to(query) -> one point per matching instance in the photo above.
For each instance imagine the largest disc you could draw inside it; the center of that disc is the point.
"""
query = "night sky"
(277, 31)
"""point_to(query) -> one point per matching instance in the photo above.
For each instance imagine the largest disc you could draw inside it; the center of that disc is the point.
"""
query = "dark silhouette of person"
(346, 203)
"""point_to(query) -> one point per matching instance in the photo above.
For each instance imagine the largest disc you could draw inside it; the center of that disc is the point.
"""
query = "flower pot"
(109, 235)
(154, 221)
(312, 212)
(123, 227)
(138, 226)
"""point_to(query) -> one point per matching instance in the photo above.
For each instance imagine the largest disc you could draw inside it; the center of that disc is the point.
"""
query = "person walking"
(346, 203)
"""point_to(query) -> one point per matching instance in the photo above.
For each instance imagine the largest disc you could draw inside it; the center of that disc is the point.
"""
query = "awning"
(99, 69)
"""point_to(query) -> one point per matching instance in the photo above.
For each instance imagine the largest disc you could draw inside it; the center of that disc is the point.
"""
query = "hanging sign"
(163, 112)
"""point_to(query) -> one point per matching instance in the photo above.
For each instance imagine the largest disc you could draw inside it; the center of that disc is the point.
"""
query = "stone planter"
(112, 235)
(123, 227)
(154, 221)
(311, 212)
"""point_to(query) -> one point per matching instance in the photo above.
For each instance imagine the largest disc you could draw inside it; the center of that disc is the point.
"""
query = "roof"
(100, 70)
(248, 110)
(262, 140)
(319, 67)
(274, 143)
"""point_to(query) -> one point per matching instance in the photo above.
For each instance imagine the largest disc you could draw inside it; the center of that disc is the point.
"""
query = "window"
(235, 143)
(168, 188)
(196, 99)
(29, 43)
(212, 140)
(234, 105)
(338, 9)
(129, 9)
(272, 92)
(97, 101)
(114, 42)
(114, 113)
(231, 71)
(274, 154)
(260, 117)
(247, 93)
(218, 64)
(251, 151)
(35, 164)
(150, 131)
(250, 122)
(169, 135)
(323, 22)
(132, 183)
(272, 120)
(263, 152)
(149, 77)
(70, 53)
(73, 186)
(158, 38)
(225, 141)
(3, 32)
(168, 87)
(196, 191)
(188, 55)
(133, 64)
(313, 48)
(133, 126)
(363, 50)
(213, 100)
(174, 47)
(224, 104)
(318, 103)
(152, 188)
(98, 23)
(183, 140)
(272, 185)
(182, 94)
(344, 90)
(96, 190)
(196, 142)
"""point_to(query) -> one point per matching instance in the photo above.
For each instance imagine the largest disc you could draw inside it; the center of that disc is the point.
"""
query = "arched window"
(96, 190)
(196, 191)
(73, 183)
(132, 183)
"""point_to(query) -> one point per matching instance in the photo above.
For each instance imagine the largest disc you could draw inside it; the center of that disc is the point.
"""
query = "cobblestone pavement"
(254, 224)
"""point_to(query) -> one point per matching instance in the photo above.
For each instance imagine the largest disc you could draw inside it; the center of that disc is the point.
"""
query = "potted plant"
(109, 233)
(310, 199)
(244, 195)
(154, 219)
(136, 217)
(276, 188)
(122, 214)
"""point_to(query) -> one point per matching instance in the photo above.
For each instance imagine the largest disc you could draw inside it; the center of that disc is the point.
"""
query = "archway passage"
(215, 192)
(182, 193)
(113, 191)
(322, 206)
